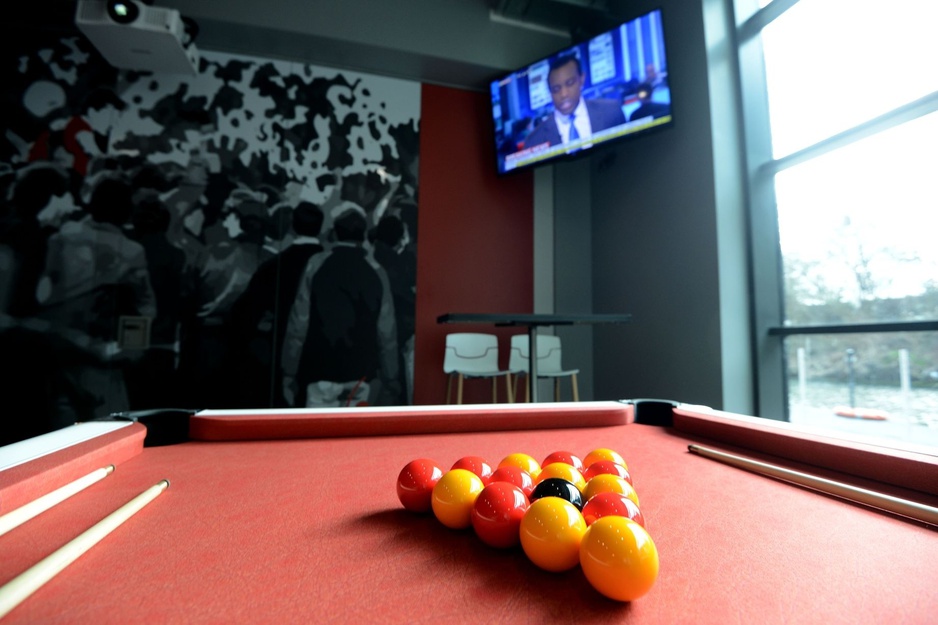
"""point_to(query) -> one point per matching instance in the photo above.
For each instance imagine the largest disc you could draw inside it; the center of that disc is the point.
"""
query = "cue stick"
(903, 507)
(17, 517)
(28, 582)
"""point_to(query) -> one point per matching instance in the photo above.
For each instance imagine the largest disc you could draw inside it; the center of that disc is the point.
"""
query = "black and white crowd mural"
(242, 238)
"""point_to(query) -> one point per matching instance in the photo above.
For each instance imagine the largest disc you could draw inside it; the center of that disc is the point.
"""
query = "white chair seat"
(549, 358)
(473, 355)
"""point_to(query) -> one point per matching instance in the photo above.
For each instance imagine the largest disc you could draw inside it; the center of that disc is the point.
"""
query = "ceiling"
(579, 18)
(459, 43)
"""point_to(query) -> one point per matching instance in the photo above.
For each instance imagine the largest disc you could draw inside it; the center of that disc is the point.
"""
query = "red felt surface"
(311, 531)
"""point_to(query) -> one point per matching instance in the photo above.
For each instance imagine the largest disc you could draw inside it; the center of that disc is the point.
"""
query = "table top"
(309, 529)
(522, 319)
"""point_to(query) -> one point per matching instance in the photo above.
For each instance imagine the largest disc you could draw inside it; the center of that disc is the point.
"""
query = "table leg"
(532, 363)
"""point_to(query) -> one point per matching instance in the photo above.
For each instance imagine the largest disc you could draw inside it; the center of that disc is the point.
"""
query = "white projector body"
(153, 42)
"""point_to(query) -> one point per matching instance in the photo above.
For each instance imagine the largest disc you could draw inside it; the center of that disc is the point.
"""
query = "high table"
(532, 322)
(291, 516)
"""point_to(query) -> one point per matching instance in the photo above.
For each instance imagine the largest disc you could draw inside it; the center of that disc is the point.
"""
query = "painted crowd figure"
(340, 346)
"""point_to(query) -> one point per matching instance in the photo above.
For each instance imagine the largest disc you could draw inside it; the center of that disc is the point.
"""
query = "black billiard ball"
(557, 487)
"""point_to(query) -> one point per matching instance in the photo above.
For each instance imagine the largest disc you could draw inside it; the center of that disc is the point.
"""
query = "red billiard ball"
(477, 465)
(601, 467)
(611, 504)
(497, 513)
(566, 457)
(514, 475)
(415, 484)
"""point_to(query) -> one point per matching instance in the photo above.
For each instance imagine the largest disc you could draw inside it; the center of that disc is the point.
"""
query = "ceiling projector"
(134, 35)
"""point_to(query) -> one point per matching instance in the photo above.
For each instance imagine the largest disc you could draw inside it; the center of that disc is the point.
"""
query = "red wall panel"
(475, 240)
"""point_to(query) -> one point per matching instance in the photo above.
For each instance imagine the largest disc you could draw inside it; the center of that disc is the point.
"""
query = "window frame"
(769, 330)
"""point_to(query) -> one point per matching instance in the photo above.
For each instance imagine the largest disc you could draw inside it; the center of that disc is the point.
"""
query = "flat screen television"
(610, 87)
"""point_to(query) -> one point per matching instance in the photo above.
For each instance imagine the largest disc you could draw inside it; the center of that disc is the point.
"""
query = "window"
(833, 64)
(859, 226)
(846, 146)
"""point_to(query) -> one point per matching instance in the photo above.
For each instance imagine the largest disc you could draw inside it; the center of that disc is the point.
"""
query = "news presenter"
(574, 117)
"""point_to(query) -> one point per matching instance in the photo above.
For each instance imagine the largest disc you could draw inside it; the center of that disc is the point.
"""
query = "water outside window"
(878, 385)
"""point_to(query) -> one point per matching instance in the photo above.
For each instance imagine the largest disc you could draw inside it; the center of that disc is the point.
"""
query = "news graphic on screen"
(613, 86)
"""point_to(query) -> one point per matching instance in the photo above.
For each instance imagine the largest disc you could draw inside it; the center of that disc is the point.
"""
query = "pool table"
(291, 516)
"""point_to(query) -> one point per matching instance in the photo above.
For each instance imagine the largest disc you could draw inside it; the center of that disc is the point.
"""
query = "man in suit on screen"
(574, 118)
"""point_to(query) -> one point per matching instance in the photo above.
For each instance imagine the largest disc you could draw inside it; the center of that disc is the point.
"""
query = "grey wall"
(563, 265)
(657, 214)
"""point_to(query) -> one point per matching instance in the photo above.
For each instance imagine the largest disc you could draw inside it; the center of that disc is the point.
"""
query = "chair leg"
(576, 390)
(495, 390)
(556, 389)
(527, 391)
(509, 391)
(459, 388)
(449, 386)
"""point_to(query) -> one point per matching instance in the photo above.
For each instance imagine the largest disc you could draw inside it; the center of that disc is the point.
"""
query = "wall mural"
(241, 238)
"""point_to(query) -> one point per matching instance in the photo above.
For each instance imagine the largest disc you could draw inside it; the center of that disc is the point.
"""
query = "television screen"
(610, 87)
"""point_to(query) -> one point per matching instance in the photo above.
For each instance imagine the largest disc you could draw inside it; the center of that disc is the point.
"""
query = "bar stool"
(473, 355)
(549, 358)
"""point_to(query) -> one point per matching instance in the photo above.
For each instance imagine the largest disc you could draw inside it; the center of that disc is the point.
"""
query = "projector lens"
(123, 12)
